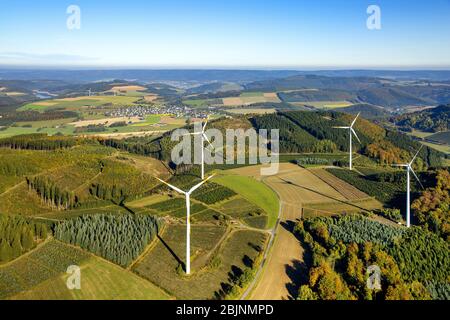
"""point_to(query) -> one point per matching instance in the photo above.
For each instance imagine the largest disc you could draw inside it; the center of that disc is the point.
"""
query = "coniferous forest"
(18, 235)
(117, 238)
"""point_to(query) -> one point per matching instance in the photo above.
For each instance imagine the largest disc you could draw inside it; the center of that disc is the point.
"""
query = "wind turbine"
(351, 132)
(187, 194)
(409, 169)
(89, 91)
(204, 137)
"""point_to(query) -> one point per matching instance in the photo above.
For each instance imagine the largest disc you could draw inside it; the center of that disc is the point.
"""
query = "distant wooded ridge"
(238, 75)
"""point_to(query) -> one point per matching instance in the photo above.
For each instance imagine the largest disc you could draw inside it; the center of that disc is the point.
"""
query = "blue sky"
(218, 33)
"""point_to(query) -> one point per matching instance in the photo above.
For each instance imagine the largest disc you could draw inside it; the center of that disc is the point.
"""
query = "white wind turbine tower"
(188, 213)
(89, 92)
(409, 170)
(351, 133)
(204, 138)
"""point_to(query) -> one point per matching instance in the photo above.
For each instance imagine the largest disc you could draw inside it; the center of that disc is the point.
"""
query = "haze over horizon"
(296, 35)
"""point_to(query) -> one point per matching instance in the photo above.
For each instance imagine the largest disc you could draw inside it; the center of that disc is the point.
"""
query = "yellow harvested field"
(14, 94)
(234, 101)
(347, 190)
(128, 88)
(172, 120)
(301, 186)
(45, 103)
(270, 95)
(151, 97)
(106, 121)
(286, 255)
(252, 171)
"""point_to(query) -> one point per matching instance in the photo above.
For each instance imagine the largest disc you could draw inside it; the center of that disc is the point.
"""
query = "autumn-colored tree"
(389, 268)
(398, 292)
(403, 291)
(432, 208)
(305, 293)
(355, 267)
(386, 152)
(328, 284)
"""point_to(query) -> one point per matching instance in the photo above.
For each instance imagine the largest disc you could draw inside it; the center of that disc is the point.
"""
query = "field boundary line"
(334, 187)
(117, 266)
(149, 248)
(268, 251)
(26, 253)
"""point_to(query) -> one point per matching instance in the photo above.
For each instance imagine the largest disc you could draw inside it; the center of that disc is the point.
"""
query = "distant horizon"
(228, 68)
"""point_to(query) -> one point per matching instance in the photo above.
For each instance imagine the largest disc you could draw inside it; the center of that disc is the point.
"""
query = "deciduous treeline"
(412, 263)
(432, 209)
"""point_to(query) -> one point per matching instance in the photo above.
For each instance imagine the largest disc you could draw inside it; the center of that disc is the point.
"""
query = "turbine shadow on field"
(296, 270)
(324, 195)
(172, 252)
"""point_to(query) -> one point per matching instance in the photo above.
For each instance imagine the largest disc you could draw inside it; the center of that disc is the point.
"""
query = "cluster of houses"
(143, 111)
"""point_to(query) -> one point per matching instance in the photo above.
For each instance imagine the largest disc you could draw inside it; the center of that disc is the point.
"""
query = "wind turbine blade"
(399, 165)
(354, 132)
(192, 134)
(416, 155)
(415, 175)
(171, 186)
(354, 121)
(204, 126)
(341, 127)
(200, 184)
(207, 140)
(218, 151)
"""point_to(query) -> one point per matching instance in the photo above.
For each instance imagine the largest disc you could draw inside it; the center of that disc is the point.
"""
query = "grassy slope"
(76, 103)
(255, 192)
(100, 280)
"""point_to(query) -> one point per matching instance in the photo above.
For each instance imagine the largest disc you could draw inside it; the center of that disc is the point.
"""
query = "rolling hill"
(429, 120)
(388, 93)
(367, 111)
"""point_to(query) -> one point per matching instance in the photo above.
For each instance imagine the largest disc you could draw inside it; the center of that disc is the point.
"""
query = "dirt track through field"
(296, 187)
(284, 261)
